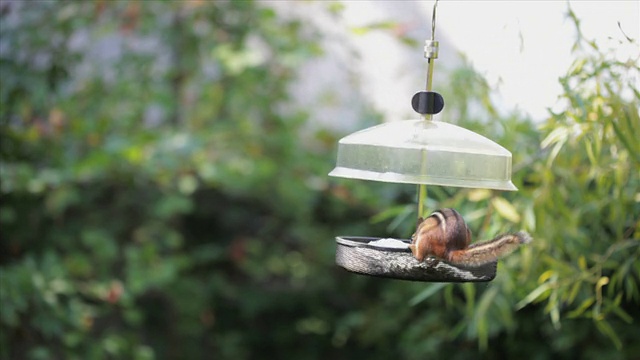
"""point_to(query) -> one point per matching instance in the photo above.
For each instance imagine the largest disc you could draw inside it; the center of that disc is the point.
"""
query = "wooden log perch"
(363, 256)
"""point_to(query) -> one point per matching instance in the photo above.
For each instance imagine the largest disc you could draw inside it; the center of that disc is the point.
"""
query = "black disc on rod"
(427, 102)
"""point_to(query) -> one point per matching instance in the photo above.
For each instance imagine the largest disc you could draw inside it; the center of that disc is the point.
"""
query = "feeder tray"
(363, 255)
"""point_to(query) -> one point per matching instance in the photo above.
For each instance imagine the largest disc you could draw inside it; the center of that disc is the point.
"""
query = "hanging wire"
(431, 54)
(433, 22)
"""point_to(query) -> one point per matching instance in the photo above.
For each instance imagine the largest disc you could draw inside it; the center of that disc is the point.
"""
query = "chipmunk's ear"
(420, 220)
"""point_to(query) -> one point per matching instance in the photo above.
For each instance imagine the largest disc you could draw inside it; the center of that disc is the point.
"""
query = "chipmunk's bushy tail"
(485, 252)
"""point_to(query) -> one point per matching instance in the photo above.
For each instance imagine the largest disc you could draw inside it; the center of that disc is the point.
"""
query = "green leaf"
(584, 306)
(533, 296)
(505, 209)
(607, 330)
(426, 293)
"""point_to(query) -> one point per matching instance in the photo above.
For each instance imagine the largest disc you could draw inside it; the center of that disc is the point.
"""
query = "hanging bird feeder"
(424, 152)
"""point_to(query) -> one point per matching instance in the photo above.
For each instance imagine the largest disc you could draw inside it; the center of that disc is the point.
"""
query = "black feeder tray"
(368, 256)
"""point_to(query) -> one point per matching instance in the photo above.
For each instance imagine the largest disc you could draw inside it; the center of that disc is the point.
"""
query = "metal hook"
(433, 22)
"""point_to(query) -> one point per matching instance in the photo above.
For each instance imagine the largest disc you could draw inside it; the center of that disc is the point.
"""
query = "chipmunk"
(445, 235)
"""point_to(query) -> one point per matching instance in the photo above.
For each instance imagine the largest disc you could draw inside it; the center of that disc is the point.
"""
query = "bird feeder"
(424, 152)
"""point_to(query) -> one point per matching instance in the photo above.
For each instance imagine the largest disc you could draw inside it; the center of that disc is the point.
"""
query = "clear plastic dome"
(424, 152)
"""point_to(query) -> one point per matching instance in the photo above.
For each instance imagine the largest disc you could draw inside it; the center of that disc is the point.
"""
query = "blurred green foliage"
(163, 198)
